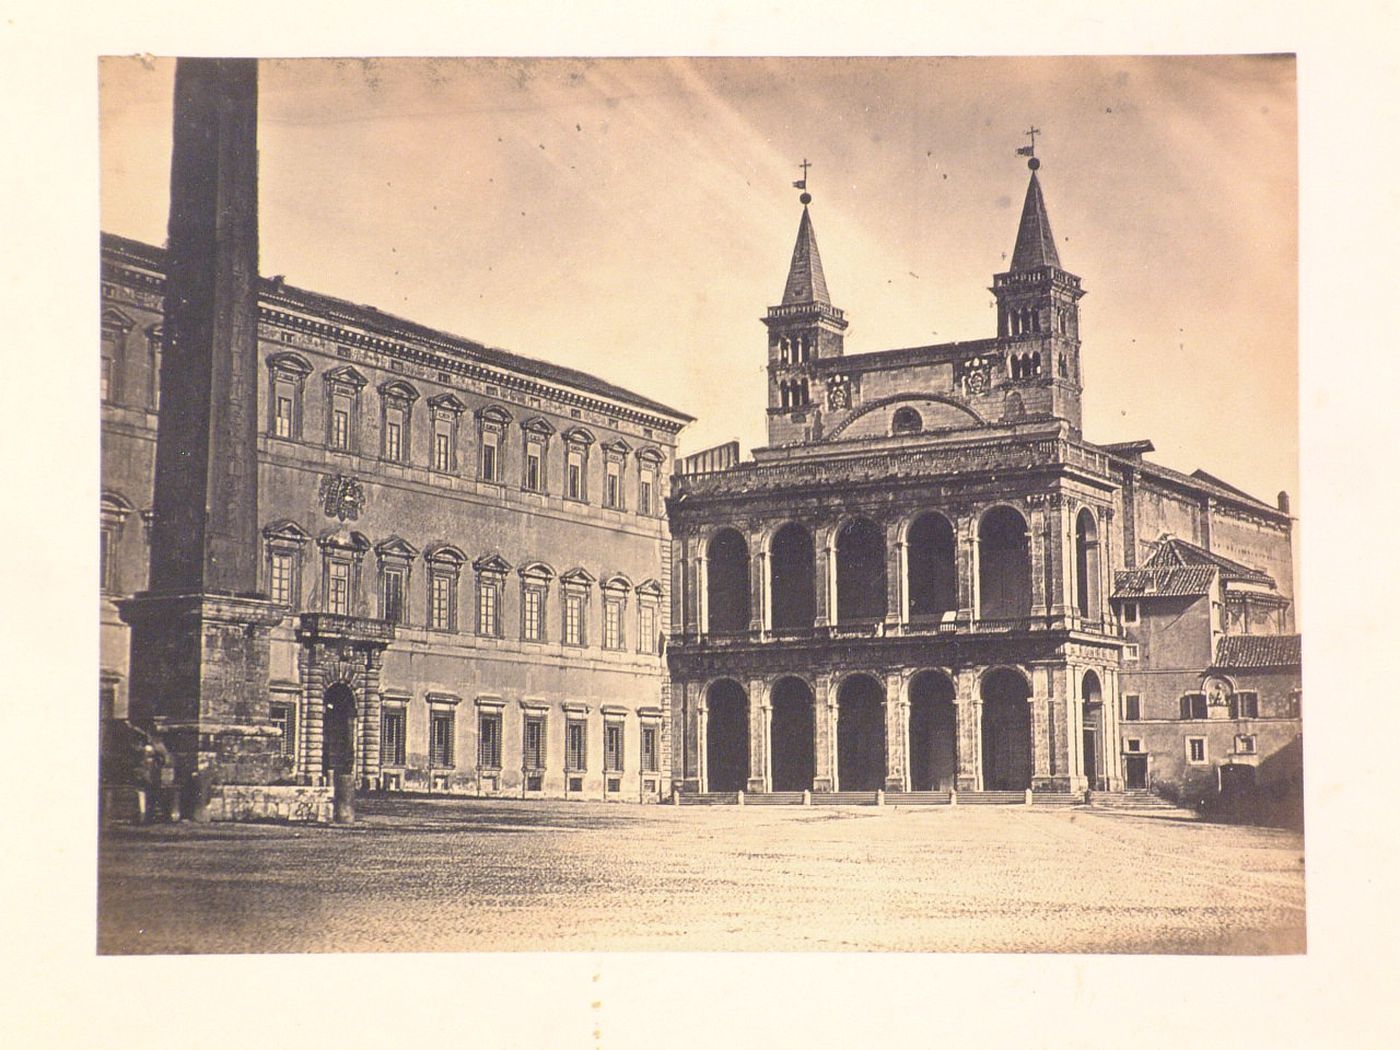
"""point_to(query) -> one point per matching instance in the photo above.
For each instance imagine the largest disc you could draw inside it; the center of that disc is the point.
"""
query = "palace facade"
(929, 580)
(465, 550)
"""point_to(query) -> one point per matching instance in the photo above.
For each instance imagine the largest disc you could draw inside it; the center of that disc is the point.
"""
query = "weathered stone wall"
(238, 802)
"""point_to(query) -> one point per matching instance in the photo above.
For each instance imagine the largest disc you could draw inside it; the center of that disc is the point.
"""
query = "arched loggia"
(933, 569)
(860, 572)
(1006, 731)
(793, 735)
(792, 578)
(727, 736)
(1086, 560)
(727, 582)
(933, 733)
(1004, 566)
(860, 734)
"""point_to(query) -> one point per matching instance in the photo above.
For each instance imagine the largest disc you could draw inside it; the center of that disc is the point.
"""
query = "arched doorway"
(338, 730)
(1006, 731)
(792, 735)
(933, 733)
(727, 736)
(727, 582)
(933, 572)
(1086, 561)
(860, 572)
(792, 578)
(1004, 566)
(1092, 693)
(860, 734)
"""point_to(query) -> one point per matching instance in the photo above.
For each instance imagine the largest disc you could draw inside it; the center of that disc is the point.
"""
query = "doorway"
(338, 731)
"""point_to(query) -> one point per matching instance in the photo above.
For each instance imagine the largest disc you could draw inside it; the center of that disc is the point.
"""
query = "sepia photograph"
(699, 504)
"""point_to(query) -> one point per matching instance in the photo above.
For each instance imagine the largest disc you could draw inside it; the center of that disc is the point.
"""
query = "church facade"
(930, 580)
(464, 550)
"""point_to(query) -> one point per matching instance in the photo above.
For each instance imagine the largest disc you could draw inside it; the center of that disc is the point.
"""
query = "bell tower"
(802, 329)
(1038, 314)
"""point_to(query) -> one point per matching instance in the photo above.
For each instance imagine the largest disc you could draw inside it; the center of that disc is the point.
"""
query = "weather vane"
(1029, 151)
(801, 184)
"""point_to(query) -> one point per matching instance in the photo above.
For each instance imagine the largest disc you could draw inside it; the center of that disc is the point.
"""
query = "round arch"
(726, 735)
(338, 730)
(1006, 729)
(885, 402)
(1091, 697)
(1003, 564)
(931, 549)
(793, 734)
(727, 581)
(933, 731)
(860, 733)
(792, 576)
(860, 571)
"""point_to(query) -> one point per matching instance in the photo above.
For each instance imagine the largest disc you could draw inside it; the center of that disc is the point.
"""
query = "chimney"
(1283, 502)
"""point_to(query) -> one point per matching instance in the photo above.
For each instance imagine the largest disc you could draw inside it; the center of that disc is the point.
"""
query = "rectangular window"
(339, 596)
(105, 558)
(1130, 653)
(1130, 612)
(109, 352)
(1245, 744)
(612, 495)
(283, 716)
(576, 746)
(280, 584)
(440, 605)
(1196, 750)
(442, 451)
(284, 421)
(1295, 704)
(1132, 707)
(1245, 704)
(534, 743)
(650, 752)
(644, 495)
(648, 629)
(573, 619)
(532, 468)
(534, 615)
(1133, 744)
(393, 596)
(393, 736)
(340, 429)
(442, 728)
(490, 727)
(489, 456)
(612, 625)
(393, 435)
(1193, 706)
(487, 621)
(574, 486)
(612, 747)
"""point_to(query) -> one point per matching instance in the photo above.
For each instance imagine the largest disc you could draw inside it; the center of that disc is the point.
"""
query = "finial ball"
(806, 198)
(1033, 163)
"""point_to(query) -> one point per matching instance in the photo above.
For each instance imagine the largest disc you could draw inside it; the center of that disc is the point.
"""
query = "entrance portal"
(1006, 731)
(338, 731)
(727, 737)
(1135, 771)
(933, 733)
(1093, 729)
(792, 736)
(860, 735)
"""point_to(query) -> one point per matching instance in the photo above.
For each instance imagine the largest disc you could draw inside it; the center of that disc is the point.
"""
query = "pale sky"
(634, 218)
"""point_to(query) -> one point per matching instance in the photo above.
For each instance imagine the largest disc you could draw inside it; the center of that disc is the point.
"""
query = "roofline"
(374, 319)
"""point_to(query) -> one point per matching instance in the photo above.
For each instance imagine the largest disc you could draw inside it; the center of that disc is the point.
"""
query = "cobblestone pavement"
(459, 875)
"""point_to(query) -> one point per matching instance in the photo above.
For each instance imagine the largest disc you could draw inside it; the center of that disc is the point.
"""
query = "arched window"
(906, 421)
(1086, 561)
(1004, 566)
(860, 572)
(793, 593)
(933, 571)
(727, 582)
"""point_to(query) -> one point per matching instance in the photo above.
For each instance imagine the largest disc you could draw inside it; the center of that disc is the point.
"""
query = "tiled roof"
(1203, 482)
(342, 310)
(1243, 651)
(806, 281)
(1174, 552)
(1035, 244)
(1163, 582)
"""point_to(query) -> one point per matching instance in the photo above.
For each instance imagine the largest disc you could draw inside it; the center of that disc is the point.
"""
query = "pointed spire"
(1035, 244)
(806, 282)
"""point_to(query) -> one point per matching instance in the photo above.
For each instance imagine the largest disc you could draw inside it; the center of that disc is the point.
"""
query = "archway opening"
(1004, 566)
(860, 734)
(792, 736)
(860, 572)
(727, 580)
(792, 578)
(1086, 551)
(933, 569)
(933, 733)
(338, 730)
(906, 421)
(1092, 693)
(727, 736)
(1006, 731)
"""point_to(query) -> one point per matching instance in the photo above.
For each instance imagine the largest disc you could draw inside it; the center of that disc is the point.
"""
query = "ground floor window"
(612, 747)
(393, 735)
(534, 743)
(576, 746)
(1196, 750)
(650, 752)
(490, 733)
(284, 717)
(1245, 744)
(441, 728)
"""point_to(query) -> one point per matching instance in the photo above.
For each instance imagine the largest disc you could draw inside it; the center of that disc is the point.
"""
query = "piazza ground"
(462, 875)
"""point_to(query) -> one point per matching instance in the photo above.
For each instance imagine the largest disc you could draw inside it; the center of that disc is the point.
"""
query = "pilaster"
(702, 743)
(896, 733)
(969, 720)
(896, 583)
(760, 736)
(824, 732)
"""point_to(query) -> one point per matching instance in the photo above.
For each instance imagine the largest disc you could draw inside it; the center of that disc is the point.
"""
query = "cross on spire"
(804, 166)
(1033, 131)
